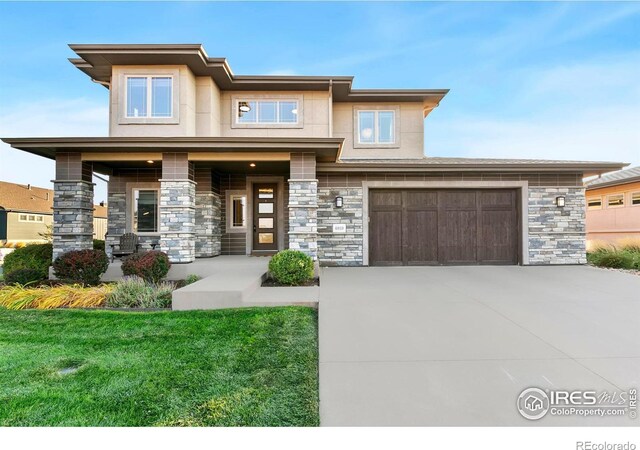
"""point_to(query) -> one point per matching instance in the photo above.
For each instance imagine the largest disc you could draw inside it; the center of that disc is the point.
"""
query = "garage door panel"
(386, 238)
(421, 237)
(458, 237)
(443, 226)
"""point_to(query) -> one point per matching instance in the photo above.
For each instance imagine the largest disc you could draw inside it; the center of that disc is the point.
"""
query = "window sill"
(358, 145)
(266, 126)
(148, 121)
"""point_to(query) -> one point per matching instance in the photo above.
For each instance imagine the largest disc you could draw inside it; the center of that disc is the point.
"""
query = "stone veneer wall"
(303, 218)
(340, 249)
(177, 219)
(72, 216)
(207, 225)
(557, 235)
(116, 219)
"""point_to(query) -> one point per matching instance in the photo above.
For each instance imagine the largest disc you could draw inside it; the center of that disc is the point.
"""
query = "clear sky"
(527, 80)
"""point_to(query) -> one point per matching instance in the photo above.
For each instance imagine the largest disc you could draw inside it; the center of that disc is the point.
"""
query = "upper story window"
(149, 96)
(376, 127)
(266, 111)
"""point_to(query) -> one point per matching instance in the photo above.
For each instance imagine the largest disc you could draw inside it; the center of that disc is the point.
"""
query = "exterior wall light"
(252, 165)
(338, 202)
(150, 162)
(560, 201)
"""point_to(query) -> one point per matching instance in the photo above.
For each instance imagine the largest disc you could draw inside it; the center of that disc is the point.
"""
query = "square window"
(376, 127)
(265, 222)
(288, 112)
(265, 208)
(149, 96)
(267, 112)
(635, 198)
(265, 238)
(247, 112)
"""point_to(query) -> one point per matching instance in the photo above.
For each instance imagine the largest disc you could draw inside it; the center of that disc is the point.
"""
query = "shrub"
(85, 266)
(98, 244)
(192, 279)
(629, 244)
(611, 259)
(151, 266)
(34, 256)
(48, 297)
(134, 292)
(291, 267)
(24, 277)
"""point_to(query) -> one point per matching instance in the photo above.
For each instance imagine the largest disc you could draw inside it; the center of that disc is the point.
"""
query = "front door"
(265, 233)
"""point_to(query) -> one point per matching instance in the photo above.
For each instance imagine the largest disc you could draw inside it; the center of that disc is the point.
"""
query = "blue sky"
(527, 80)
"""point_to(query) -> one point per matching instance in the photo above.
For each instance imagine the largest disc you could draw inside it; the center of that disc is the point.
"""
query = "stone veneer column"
(557, 235)
(72, 204)
(303, 204)
(207, 216)
(177, 208)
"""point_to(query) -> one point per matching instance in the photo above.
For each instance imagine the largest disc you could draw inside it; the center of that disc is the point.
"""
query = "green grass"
(244, 367)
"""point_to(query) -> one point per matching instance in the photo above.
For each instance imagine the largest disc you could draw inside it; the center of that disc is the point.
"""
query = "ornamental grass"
(52, 297)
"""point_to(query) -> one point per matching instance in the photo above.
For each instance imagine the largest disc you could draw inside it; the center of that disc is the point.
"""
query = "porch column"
(207, 215)
(177, 208)
(116, 210)
(303, 204)
(72, 204)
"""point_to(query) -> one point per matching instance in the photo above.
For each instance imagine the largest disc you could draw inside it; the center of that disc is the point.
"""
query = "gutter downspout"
(330, 108)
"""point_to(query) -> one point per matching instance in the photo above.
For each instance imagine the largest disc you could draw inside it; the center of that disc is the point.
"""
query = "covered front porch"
(189, 197)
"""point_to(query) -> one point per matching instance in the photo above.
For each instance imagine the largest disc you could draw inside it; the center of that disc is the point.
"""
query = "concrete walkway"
(457, 345)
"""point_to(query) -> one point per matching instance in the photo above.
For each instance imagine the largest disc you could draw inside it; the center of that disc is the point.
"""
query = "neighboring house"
(207, 162)
(613, 206)
(26, 211)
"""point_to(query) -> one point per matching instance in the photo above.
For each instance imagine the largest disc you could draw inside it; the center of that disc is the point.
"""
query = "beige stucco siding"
(207, 107)
(183, 122)
(410, 126)
(314, 112)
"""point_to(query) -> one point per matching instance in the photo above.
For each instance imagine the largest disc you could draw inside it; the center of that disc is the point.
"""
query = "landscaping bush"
(134, 292)
(192, 279)
(98, 244)
(151, 266)
(629, 245)
(24, 277)
(291, 267)
(34, 256)
(85, 266)
(613, 259)
(48, 297)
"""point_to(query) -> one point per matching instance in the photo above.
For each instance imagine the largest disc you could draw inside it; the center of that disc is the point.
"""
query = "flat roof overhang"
(97, 60)
(587, 168)
(325, 149)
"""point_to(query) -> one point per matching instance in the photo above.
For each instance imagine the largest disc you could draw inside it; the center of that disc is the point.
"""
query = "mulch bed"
(270, 282)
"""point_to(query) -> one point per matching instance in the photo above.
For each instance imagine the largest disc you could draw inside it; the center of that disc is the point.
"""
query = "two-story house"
(206, 162)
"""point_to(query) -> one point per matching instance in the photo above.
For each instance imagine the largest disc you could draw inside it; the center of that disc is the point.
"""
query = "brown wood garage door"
(430, 227)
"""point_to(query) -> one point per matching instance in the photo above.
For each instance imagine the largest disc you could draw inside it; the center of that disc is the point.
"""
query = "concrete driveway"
(457, 345)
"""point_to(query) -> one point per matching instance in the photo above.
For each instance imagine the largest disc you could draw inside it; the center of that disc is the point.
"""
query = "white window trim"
(140, 72)
(297, 98)
(631, 198)
(35, 218)
(230, 195)
(149, 79)
(624, 203)
(595, 208)
(132, 211)
(357, 109)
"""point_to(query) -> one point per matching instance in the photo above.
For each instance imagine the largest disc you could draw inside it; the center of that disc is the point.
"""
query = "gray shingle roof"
(616, 178)
(432, 160)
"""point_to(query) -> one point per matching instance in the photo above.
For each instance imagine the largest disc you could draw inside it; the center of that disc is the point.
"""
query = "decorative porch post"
(72, 204)
(207, 215)
(303, 204)
(177, 208)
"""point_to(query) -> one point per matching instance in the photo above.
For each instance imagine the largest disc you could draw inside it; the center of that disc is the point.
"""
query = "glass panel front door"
(264, 217)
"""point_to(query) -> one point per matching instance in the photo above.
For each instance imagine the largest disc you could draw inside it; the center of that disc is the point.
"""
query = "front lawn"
(243, 367)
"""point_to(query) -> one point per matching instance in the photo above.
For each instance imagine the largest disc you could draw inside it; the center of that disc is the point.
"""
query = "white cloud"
(47, 118)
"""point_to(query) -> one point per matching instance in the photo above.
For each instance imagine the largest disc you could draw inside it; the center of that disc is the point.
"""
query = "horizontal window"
(149, 96)
(145, 211)
(594, 203)
(267, 111)
(376, 127)
(30, 218)
(635, 198)
(615, 201)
